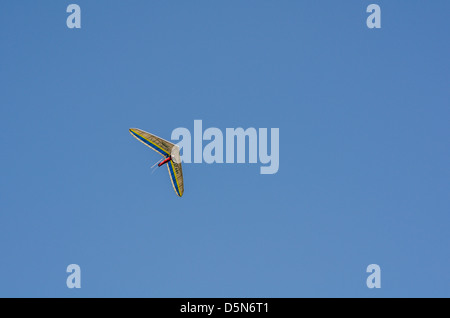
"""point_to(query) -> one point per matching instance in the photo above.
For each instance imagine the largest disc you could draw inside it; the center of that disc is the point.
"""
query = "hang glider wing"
(175, 171)
(161, 146)
(166, 149)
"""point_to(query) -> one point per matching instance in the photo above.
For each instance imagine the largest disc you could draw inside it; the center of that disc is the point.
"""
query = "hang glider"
(170, 153)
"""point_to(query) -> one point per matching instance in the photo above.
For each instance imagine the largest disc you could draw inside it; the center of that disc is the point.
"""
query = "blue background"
(364, 148)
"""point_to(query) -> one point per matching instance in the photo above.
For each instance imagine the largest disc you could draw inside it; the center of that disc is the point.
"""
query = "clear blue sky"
(364, 148)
